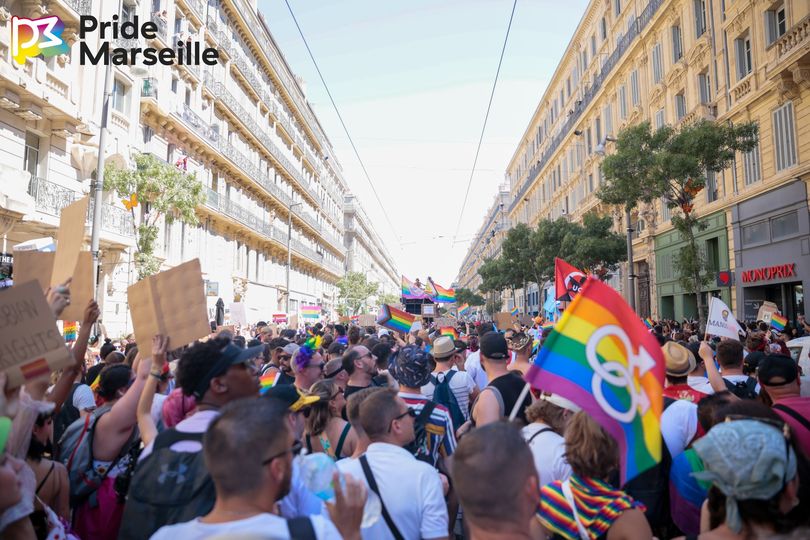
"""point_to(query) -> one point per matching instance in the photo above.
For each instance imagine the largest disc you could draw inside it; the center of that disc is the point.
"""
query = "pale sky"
(412, 80)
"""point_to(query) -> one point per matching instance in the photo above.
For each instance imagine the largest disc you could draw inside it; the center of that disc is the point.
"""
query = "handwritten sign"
(38, 265)
(445, 321)
(238, 314)
(367, 320)
(504, 320)
(171, 303)
(69, 240)
(31, 345)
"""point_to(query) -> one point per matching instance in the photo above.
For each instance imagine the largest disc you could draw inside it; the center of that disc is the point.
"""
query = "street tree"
(552, 238)
(161, 191)
(493, 283)
(466, 296)
(597, 249)
(354, 293)
(388, 298)
(671, 165)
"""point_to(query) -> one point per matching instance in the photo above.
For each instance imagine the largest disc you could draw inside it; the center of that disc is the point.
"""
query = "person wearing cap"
(472, 364)
(333, 370)
(446, 354)
(698, 378)
(284, 358)
(500, 397)
(680, 362)
(548, 417)
(779, 377)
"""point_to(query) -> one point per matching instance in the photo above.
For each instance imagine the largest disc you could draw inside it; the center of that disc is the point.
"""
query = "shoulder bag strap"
(538, 433)
(372, 484)
(793, 414)
(47, 475)
(342, 439)
(569, 497)
(169, 437)
(498, 396)
(301, 528)
(424, 414)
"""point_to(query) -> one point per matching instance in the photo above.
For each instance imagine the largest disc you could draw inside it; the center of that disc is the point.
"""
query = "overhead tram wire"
(486, 118)
(340, 117)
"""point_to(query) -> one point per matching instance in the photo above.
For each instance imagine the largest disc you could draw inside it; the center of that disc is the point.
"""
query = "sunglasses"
(410, 412)
(295, 449)
(284, 357)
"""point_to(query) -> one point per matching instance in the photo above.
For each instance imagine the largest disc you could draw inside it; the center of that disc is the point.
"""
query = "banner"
(367, 319)
(279, 318)
(412, 291)
(567, 280)
(311, 312)
(721, 322)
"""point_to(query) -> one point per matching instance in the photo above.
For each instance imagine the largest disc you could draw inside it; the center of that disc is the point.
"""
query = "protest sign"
(171, 303)
(69, 240)
(526, 320)
(238, 314)
(766, 311)
(445, 321)
(504, 320)
(279, 317)
(31, 345)
(38, 266)
(368, 320)
(293, 321)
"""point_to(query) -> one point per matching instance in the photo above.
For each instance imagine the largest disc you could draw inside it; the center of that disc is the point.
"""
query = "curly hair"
(197, 361)
(304, 355)
(590, 451)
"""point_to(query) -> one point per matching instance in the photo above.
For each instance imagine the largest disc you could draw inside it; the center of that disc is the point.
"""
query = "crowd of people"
(211, 439)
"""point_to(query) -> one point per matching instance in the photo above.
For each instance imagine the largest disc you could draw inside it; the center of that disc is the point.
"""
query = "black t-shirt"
(510, 386)
(285, 378)
(352, 389)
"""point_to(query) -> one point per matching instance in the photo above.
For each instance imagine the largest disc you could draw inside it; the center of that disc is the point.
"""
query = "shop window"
(756, 233)
(785, 225)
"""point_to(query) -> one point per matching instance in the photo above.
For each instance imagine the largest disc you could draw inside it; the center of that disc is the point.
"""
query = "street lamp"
(289, 254)
(631, 290)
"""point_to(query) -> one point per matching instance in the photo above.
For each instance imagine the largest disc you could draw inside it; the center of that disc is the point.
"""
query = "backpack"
(167, 487)
(66, 416)
(443, 395)
(419, 447)
(743, 390)
(76, 454)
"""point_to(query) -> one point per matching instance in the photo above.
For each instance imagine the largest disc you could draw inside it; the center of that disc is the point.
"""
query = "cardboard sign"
(238, 314)
(69, 240)
(766, 311)
(279, 317)
(504, 320)
(227, 328)
(293, 321)
(31, 345)
(368, 320)
(171, 303)
(344, 320)
(38, 265)
(526, 320)
(446, 321)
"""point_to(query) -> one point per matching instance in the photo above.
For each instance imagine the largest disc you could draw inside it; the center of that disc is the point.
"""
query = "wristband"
(158, 376)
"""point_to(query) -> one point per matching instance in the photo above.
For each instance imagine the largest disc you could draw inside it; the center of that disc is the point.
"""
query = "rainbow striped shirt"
(598, 507)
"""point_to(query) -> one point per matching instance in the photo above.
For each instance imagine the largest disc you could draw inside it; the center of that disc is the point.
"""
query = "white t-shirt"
(548, 450)
(411, 490)
(462, 385)
(679, 425)
(267, 526)
(701, 384)
(83, 398)
(472, 365)
(734, 379)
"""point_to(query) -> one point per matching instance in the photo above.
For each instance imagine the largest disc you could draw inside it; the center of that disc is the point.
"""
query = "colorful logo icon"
(34, 37)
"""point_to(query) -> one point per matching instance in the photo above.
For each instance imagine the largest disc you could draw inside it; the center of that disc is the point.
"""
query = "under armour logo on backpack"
(179, 475)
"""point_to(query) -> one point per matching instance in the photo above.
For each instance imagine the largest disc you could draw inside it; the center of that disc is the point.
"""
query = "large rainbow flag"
(395, 319)
(449, 331)
(443, 296)
(411, 291)
(600, 356)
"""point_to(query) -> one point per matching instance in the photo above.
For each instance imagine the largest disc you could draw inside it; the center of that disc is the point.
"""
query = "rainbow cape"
(411, 291)
(778, 321)
(395, 319)
(602, 358)
(514, 312)
(463, 309)
(69, 330)
(443, 296)
(448, 331)
(310, 312)
(268, 381)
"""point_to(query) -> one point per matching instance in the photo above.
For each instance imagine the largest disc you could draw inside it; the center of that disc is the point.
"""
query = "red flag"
(567, 280)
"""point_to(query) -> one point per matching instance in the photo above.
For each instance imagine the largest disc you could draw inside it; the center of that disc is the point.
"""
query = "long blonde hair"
(320, 412)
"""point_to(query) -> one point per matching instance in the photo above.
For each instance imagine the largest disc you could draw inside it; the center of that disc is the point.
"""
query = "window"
(755, 234)
(784, 137)
(700, 17)
(713, 254)
(188, 97)
(785, 225)
(775, 22)
(711, 186)
(31, 155)
(742, 46)
(590, 183)
(704, 88)
(680, 106)
(584, 59)
(617, 7)
(623, 102)
(677, 45)
(657, 64)
(174, 85)
(603, 28)
(634, 92)
(120, 97)
(751, 173)
(598, 129)
(128, 13)
(593, 46)
(659, 119)
(608, 113)
(588, 140)
(666, 211)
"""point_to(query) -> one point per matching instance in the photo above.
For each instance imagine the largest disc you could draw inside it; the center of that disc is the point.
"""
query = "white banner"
(721, 322)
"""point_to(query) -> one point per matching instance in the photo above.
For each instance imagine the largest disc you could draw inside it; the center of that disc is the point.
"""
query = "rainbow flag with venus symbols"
(600, 356)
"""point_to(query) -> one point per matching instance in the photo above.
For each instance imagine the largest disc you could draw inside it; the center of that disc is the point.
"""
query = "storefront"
(674, 302)
(772, 251)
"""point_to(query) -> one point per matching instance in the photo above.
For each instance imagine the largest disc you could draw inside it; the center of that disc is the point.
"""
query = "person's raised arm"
(715, 379)
(62, 387)
(146, 423)
(122, 417)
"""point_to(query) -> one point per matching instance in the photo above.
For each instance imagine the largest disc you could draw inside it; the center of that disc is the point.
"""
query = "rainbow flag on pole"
(601, 357)
(69, 329)
(268, 381)
(778, 321)
(395, 319)
(448, 331)
(514, 312)
(648, 323)
(463, 309)
(442, 295)
(310, 312)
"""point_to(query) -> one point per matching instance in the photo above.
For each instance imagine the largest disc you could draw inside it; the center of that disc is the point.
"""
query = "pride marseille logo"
(34, 37)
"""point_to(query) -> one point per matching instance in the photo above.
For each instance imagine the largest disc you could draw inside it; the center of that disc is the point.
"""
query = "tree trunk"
(696, 275)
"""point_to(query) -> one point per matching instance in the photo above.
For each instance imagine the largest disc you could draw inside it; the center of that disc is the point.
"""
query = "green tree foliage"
(671, 164)
(354, 293)
(466, 296)
(557, 238)
(169, 193)
(388, 298)
(518, 256)
(597, 248)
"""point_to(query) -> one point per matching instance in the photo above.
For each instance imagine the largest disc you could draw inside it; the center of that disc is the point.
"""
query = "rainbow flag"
(310, 312)
(514, 312)
(411, 291)
(547, 326)
(395, 319)
(70, 330)
(463, 309)
(448, 331)
(648, 323)
(268, 381)
(602, 358)
(443, 296)
(778, 321)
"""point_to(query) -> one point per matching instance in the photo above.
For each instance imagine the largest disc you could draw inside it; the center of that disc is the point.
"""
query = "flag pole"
(519, 401)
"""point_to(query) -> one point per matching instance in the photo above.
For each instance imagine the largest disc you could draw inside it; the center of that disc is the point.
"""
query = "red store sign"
(768, 273)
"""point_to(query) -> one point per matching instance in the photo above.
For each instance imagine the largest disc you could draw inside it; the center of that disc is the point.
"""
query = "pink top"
(802, 406)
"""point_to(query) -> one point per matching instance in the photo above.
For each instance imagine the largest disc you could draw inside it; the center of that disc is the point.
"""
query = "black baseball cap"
(292, 397)
(777, 366)
(230, 355)
(493, 345)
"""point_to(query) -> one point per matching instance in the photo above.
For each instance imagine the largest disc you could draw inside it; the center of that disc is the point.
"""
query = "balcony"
(789, 60)
(197, 124)
(69, 11)
(150, 88)
(50, 199)
(196, 7)
(162, 28)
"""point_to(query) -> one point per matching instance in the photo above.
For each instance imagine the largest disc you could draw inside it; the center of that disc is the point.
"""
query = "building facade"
(243, 127)
(672, 62)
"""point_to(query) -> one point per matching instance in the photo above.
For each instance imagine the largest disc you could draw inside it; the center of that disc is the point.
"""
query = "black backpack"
(743, 390)
(167, 487)
(419, 447)
(443, 395)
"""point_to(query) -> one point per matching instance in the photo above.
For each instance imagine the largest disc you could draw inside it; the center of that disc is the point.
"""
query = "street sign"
(725, 278)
